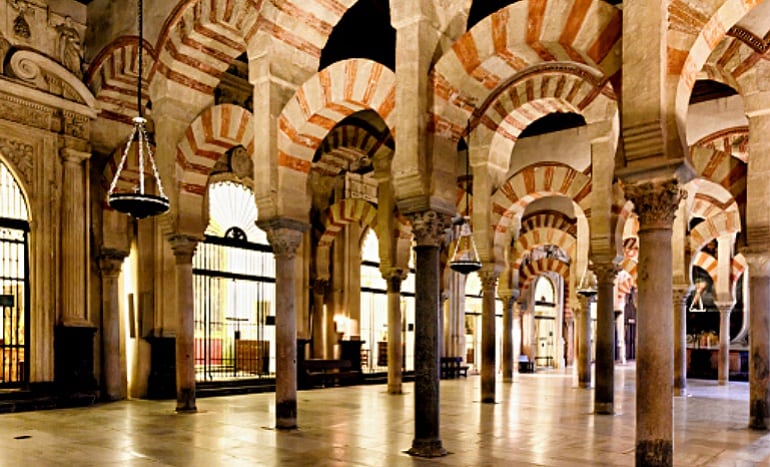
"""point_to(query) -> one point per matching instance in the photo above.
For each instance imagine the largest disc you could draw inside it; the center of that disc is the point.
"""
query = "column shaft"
(604, 394)
(508, 302)
(184, 248)
(680, 341)
(584, 342)
(74, 240)
(488, 337)
(395, 352)
(759, 337)
(656, 204)
(723, 365)
(112, 372)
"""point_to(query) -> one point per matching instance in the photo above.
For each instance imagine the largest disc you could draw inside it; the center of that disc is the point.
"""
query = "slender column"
(723, 365)
(604, 394)
(656, 204)
(429, 229)
(285, 236)
(680, 340)
(184, 248)
(74, 240)
(488, 336)
(509, 300)
(759, 336)
(584, 342)
(110, 263)
(395, 352)
(319, 318)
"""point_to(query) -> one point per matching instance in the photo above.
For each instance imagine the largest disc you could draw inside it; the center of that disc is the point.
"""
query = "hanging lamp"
(465, 259)
(138, 203)
(587, 286)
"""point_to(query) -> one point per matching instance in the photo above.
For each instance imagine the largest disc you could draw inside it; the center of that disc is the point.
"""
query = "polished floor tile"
(539, 420)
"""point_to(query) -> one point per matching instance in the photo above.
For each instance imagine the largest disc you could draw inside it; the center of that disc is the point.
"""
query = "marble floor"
(541, 419)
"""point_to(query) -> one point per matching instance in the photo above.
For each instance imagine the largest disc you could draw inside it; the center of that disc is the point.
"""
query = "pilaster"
(114, 384)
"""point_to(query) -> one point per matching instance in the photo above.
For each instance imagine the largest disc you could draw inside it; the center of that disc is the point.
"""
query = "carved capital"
(488, 280)
(429, 227)
(725, 307)
(320, 286)
(509, 296)
(605, 272)
(679, 294)
(184, 247)
(110, 261)
(655, 202)
(394, 277)
(284, 235)
(758, 259)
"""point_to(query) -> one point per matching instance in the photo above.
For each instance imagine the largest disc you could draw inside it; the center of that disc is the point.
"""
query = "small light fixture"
(587, 286)
(138, 203)
(465, 259)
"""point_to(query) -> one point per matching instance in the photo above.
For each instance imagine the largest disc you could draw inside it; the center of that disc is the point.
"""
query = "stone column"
(285, 237)
(656, 203)
(758, 259)
(74, 240)
(395, 349)
(584, 341)
(319, 318)
(604, 394)
(488, 336)
(184, 248)
(680, 340)
(429, 229)
(509, 301)
(114, 384)
(723, 365)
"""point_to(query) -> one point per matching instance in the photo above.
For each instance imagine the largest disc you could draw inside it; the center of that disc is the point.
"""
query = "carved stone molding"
(758, 259)
(21, 155)
(605, 272)
(35, 115)
(655, 202)
(110, 261)
(48, 76)
(429, 227)
(184, 247)
(284, 235)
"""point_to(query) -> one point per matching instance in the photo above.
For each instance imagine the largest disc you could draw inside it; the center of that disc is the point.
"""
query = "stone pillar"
(584, 341)
(395, 348)
(184, 248)
(429, 229)
(114, 385)
(656, 203)
(758, 259)
(488, 336)
(319, 318)
(604, 394)
(723, 364)
(680, 340)
(74, 240)
(285, 237)
(509, 300)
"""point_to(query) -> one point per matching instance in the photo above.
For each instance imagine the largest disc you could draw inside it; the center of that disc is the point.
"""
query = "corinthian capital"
(429, 227)
(655, 202)
(605, 272)
(284, 235)
(758, 259)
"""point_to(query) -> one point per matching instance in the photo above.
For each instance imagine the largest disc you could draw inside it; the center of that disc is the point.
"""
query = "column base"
(655, 453)
(680, 392)
(487, 400)
(604, 408)
(395, 389)
(286, 415)
(758, 415)
(427, 448)
(185, 401)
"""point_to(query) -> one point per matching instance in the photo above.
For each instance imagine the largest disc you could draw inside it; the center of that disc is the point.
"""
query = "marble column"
(723, 364)
(429, 229)
(509, 300)
(656, 204)
(758, 259)
(680, 340)
(74, 240)
(285, 237)
(114, 385)
(584, 341)
(319, 318)
(604, 393)
(394, 277)
(184, 248)
(488, 336)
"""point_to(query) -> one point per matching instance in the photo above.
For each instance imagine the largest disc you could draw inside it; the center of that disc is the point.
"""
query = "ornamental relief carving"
(429, 227)
(656, 202)
(42, 73)
(21, 156)
(16, 110)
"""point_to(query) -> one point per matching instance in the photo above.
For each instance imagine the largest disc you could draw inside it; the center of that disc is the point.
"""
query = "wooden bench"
(316, 372)
(452, 367)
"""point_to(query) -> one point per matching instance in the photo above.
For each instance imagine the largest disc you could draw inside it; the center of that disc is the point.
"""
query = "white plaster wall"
(570, 147)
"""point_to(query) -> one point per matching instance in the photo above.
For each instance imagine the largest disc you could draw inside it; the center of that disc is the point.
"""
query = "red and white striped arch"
(202, 37)
(733, 140)
(346, 211)
(534, 269)
(549, 219)
(113, 75)
(325, 100)
(706, 205)
(542, 236)
(346, 144)
(528, 184)
(727, 222)
(514, 38)
(720, 167)
(706, 262)
(214, 132)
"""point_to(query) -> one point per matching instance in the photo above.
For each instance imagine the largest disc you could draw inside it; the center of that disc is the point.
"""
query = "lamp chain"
(139, 55)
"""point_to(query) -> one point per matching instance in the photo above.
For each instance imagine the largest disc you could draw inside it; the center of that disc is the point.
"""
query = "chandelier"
(465, 259)
(138, 203)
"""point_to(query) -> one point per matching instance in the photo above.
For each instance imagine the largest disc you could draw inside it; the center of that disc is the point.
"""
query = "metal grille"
(14, 296)
(234, 283)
